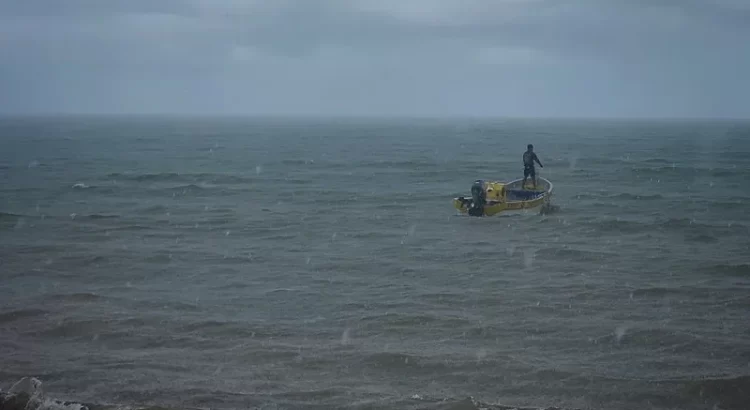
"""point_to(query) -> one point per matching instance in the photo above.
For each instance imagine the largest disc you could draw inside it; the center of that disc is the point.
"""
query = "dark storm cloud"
(630, 56)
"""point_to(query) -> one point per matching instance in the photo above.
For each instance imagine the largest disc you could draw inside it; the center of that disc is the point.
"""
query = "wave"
(686, 171)
(573, 255)
(235, 329)
(583, 163)
(128, 228)
(620, 226)
(693, 231)
(372, 235)
(293, 181)
(158, 259)
(681, 224)
(102, 216)
(154, 209)
(27, 394)
(626, 196)
(622, 196)
(215, 178)
(702, 238)
(734, 155)
(637, 336)
(411, 321)
(74, 329)
(392, 360)
(81, 297)
(742, 270)
(196, 190)
(162, 176)
(730, 393)
(297, 161)
(40, 249)
(657, 161)
(20, 314)
(658, 292)
(401, 164)
(11, 221)
(728, 204)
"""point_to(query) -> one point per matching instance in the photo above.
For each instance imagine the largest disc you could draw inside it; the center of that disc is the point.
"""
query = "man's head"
(530, 147)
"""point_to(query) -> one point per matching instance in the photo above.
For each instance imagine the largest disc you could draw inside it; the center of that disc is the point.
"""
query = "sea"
(319, 263)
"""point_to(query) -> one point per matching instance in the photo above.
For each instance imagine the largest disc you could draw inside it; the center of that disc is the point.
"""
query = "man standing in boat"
(528, 165)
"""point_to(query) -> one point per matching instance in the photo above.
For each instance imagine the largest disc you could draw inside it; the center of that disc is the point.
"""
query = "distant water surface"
(233, 263)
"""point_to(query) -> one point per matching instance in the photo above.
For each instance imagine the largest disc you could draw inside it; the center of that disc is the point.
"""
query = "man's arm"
(537, 161)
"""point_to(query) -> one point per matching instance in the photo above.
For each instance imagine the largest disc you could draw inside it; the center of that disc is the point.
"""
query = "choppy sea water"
(319, 264)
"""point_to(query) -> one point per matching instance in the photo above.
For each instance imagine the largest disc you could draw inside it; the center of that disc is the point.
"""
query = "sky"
(497, 58)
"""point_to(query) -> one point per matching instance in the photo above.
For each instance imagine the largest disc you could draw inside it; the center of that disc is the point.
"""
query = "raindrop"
(20, 223)
(258, 170)
(620, 333)
(412, 229)
(528, 258)
(481, 354)
(345, 339)
(573, 161)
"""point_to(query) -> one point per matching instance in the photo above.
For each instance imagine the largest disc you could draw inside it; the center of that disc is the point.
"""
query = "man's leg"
(525, 176)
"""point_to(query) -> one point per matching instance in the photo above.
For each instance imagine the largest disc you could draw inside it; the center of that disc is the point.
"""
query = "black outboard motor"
(479, 198)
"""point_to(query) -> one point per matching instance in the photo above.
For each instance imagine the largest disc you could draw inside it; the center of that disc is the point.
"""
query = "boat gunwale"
(545, 194)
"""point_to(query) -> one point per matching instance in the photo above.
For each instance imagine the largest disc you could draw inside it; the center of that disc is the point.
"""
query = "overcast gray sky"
(614, 58)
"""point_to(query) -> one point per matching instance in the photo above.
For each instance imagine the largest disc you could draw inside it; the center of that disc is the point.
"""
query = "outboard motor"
(479, 198)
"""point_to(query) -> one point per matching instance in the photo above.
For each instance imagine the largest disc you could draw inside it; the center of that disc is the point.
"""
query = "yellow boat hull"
(501, 197)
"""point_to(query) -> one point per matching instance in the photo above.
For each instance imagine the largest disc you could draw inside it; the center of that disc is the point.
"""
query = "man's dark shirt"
(529, 158)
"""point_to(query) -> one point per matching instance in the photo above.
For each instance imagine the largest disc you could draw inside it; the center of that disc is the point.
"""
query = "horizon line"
(292, 116)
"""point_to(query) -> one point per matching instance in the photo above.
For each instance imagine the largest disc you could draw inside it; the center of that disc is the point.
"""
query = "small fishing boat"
(490, 198)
